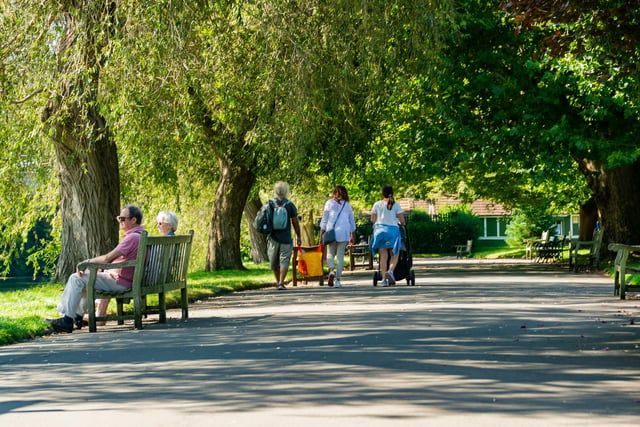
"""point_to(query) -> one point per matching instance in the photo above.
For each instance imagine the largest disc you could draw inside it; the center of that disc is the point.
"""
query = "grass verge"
(24, 311)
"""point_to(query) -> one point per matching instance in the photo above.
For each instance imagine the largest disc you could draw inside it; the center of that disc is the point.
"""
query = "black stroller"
(405, 262)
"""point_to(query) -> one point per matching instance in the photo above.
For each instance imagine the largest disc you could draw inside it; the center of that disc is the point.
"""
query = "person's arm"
(104, 259)
(325, 219)
(352, 225)
(401, 218)
(325, 216)
(296, 228)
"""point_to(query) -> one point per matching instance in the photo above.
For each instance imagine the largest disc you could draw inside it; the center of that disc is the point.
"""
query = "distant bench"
(620, 287)
(160, 266)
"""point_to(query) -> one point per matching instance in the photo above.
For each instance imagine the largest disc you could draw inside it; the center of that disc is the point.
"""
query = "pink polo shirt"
(128, 247)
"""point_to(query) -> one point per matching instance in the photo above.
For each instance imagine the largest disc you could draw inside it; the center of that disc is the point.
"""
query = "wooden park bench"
(550, 250)
(578, 255)
(464, 250)
(530, 245)
(621, 269)
(160, 266)
(360, 255)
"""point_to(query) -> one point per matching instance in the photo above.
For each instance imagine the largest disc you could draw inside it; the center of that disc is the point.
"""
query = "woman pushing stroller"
(387, 216)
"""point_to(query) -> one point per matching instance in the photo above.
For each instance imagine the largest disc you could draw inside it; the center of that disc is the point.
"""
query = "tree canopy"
(207, 103)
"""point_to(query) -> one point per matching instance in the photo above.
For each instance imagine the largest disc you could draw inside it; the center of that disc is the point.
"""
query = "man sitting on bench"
(73, 303)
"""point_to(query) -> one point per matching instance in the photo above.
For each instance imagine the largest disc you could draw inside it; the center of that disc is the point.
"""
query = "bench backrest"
(622, 254)
(597, 242)
(163, 261)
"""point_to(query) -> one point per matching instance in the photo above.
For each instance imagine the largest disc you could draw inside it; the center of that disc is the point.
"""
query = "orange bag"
(310, 261)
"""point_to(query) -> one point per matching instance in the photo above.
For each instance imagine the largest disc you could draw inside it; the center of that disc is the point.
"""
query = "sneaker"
(281, 287)
(337, 284)
(392, 279)
(62, 324)
(385, 283)
(332, 277)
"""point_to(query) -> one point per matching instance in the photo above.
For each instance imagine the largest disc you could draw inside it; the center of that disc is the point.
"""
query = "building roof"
(478, 207)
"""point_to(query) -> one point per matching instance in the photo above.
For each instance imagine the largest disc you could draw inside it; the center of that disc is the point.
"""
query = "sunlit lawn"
(23, 312)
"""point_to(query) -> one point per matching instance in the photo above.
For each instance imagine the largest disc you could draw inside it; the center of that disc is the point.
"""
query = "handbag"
(330, 235)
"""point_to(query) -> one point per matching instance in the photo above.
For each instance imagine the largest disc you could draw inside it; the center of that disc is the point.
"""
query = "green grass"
(489, 249)
(24, 311)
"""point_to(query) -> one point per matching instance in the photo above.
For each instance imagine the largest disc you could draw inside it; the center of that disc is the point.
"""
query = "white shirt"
(346, 223)
(386, 216)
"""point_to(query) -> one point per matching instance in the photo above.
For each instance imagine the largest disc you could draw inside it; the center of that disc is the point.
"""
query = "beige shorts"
(279, 254)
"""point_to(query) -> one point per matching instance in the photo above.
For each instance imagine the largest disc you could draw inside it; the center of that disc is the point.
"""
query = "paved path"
(473, 343)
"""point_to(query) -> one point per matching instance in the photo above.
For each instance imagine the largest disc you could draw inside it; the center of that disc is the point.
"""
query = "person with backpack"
(284, 214)
(337, 228)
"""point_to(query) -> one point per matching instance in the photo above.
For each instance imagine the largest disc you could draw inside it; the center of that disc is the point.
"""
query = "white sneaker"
(385, 283)
(392, 279)
(337, 284)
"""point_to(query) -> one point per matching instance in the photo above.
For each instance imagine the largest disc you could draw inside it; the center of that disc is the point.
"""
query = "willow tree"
(54, 53)
(266, 90)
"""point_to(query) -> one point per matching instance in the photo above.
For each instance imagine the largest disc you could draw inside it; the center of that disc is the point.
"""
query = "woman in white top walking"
(387, 217)
(337, 216)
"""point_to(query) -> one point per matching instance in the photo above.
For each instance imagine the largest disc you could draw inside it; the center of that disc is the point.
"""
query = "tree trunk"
(87, 159)
(258, 240)
(616, 194)
(226, 216)
(588, 219)
(89, 202)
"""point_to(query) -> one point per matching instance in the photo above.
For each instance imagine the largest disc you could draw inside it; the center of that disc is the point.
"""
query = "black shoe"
(79, 321)
(63, 324)
(281, 287)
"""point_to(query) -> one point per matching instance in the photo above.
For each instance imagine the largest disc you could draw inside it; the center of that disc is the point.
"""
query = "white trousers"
(74, 298)
(336, 249)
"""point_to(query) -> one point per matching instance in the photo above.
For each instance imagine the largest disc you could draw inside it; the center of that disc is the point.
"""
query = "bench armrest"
(582, 244)
(86, 265)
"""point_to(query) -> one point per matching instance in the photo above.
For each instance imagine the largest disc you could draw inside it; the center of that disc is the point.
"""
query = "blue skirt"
(386, 237)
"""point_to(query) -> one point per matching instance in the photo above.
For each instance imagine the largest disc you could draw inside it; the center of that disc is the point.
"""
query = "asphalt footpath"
(473, 343)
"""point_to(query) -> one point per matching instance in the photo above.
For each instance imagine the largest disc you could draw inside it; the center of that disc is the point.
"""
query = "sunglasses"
(122, 218)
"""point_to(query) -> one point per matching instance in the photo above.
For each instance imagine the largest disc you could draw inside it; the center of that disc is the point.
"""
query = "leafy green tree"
(528, 222)
(590, 53)
(522, 115)
(52, 57)
(264, 91)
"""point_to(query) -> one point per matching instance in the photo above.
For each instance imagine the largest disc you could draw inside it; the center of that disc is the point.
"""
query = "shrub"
(527, 223)
(433, 233)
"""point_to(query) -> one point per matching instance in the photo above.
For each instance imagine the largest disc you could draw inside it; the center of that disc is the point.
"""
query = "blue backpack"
(272, 217)
(280, 216)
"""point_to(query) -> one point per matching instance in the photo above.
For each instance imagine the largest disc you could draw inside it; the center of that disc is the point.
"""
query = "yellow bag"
(310, 261)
